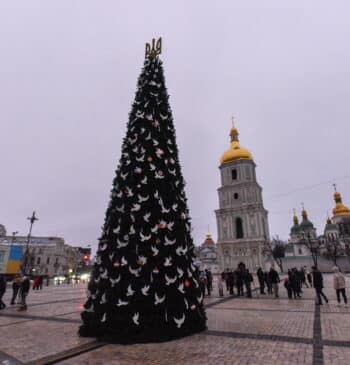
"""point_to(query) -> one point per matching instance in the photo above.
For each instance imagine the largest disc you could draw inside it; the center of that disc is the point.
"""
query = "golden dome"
(236, 152)
(340, 210)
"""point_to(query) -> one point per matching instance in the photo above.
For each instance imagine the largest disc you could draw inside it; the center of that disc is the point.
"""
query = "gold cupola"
(235, 152)
(340, 210)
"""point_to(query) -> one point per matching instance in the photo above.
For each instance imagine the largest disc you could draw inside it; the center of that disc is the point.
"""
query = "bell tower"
(242, 220)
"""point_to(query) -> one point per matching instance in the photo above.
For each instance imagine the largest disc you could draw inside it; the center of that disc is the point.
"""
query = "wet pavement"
(241, 331)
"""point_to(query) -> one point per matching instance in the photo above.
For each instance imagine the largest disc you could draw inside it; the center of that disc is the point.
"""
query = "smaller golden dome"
(295, 219)
(329, 220)
(236, 152)
(340, 210)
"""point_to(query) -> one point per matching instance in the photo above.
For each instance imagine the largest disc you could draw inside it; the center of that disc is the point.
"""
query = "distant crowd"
(240, 281)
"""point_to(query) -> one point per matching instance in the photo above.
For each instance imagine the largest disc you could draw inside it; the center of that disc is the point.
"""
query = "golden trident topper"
(155, 50)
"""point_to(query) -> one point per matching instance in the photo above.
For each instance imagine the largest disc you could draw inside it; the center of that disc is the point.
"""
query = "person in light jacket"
(339, 285)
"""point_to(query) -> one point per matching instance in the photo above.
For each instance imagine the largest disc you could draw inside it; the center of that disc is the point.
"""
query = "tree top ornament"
(153, 50)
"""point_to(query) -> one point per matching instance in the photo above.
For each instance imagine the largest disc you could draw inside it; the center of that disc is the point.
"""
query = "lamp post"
(13, 237)
(32, 220)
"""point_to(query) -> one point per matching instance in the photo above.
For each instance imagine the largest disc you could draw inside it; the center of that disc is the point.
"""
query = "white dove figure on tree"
(103, 299)
(179, 322)
(104, 275)
(124, 261)
(132, 230)
(120, 209)
(169, 281)
(121, 303)
(158, 300)
(121, 244)
(120, 194)
(114, 281)
(135, 272)
(135, 318)
(155, 251)
(145, 238)
(144, 181)
(145, 290)
(168, 242)
(181, 288)
(170, 226)
(104, 317)
(124, 176)
(116, 230)
(130, 292)
(167, 262)
(180, 272)
(142, 199)
(136, 208)
(146, 217)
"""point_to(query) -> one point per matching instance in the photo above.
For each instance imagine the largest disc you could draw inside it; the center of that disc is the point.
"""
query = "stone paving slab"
(335, 326)
(336, 355)
(267, 304)
(262, 322)
(199, 350)
(35, 339)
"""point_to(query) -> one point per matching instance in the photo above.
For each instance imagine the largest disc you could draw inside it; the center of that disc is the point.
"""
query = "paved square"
(241, 331)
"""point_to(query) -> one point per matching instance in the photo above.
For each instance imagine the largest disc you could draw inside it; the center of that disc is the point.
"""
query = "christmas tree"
(144, 286)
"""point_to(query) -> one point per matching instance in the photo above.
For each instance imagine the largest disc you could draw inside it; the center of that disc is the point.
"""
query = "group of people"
(239, 278)
(20, 288)
(295, 281)
(270, 279)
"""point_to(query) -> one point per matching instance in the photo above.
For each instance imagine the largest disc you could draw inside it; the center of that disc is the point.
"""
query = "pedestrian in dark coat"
(24, 292)
(209, 277)
(2, 291)
(261, 278)
(16, 284)
(318, 285)
(230, 280)
(274, 280)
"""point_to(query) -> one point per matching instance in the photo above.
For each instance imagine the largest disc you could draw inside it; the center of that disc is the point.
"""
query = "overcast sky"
(68, 72)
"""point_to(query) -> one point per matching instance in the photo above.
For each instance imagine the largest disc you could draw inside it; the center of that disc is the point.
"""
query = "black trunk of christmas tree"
(144, 286)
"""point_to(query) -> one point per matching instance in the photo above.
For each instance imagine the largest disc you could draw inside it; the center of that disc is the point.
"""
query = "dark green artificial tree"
(144, 286)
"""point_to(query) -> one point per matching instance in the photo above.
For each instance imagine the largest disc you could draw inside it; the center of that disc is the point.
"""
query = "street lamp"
(13, 237)
(32, 220)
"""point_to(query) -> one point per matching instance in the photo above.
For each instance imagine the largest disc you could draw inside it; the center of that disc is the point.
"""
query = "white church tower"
(241, 218)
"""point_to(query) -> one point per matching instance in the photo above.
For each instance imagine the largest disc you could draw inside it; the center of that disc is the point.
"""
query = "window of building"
(235, 196)
(300, 251)
(239, 228)
(38, 261)
(48, 261)
(234, 174)
(2, 256)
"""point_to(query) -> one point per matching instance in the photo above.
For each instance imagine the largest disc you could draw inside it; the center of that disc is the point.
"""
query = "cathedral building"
(242, 220)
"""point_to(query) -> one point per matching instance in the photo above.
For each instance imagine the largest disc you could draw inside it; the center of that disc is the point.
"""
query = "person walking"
(318, 285)
(268, 282)
(274, 280)
(230, 281)
(209, 277)
(202, 282)
(2, 291)
(220, 286)
(248, 279)
(261, 278)
(239, 282)
(223, 278)
(288, 286)
(339, 285)
(16, 284)
(25, 286)
(309, 277)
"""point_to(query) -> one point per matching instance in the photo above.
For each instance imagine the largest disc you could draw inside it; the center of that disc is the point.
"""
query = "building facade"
(207, 255)
(49, 256)
(242, 220)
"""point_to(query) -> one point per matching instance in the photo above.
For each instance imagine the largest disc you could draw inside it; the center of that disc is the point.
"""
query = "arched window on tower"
(239, 228)
(234, 174)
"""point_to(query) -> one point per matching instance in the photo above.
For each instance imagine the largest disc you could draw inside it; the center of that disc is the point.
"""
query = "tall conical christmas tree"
(144, 286)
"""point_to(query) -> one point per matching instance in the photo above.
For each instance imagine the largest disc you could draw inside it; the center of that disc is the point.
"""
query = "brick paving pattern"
(241, 331)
